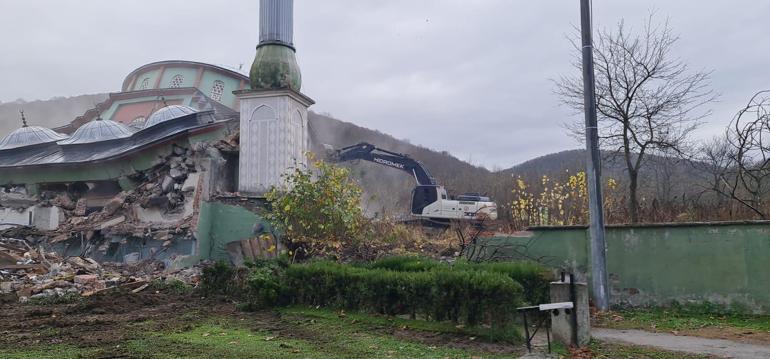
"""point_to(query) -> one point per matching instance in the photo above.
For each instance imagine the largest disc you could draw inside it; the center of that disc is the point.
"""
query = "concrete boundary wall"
(727, 263)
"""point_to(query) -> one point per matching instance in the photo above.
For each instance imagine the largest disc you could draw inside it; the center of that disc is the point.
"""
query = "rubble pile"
(160, 206)
(165, 188)
(32, 273)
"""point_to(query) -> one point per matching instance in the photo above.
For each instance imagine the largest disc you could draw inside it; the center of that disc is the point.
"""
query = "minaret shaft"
(276, 22)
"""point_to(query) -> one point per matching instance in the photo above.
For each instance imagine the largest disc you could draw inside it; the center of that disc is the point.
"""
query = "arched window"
(145, 83)
(176, 81)
(217, 90)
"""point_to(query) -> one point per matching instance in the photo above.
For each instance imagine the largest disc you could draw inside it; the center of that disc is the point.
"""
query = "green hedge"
(533, 277)
(468, 297)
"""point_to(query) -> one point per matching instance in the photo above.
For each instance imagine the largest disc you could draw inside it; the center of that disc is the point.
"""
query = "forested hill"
(388, 191)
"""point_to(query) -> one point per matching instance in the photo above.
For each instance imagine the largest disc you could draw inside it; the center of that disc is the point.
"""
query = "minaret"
(273, 125)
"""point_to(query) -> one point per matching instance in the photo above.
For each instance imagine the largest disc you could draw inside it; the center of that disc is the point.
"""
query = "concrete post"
(563, 323)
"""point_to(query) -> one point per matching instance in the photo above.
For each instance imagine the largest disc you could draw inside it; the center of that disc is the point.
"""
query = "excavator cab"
(422, 197)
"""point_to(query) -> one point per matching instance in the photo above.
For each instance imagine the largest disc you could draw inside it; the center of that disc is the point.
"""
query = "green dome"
(275, 67)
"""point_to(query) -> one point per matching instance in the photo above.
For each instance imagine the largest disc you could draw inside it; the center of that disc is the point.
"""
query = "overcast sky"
(469, 77)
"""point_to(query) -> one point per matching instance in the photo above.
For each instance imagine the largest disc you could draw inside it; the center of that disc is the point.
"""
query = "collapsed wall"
(152, 212)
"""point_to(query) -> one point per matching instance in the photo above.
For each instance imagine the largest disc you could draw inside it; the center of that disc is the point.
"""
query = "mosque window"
(145, 83)
(176, 81)
(217, 90)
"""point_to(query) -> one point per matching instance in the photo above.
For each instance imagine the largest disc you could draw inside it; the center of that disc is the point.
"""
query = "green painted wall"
(189, 75)
(221, 224)
(151, 75)
(231, 84)
(655, 265)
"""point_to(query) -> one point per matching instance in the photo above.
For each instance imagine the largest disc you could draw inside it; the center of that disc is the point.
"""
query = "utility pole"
(599, 279)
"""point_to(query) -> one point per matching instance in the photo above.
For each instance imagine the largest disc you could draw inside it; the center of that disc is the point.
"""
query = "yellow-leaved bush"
(556, 202)
(318, 212)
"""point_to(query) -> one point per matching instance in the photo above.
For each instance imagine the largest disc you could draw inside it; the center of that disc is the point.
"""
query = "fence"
(726, 263)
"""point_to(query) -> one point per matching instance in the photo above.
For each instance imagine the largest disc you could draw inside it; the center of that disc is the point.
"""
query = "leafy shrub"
(318, 212)
(215, 279)
(222, 279)
(463, 292)
(469, 297)
(533, 277)
(406, 264)
(264, 288)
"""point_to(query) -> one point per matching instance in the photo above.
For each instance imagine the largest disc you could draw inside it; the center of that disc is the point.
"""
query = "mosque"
(171, 167)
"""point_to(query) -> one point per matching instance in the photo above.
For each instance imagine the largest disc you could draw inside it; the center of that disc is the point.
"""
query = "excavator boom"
(368, 152)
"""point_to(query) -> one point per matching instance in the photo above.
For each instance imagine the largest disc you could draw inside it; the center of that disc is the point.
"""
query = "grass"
(509, 335)
(615, 351)
(299, 333)
(303, 332)
(682, 319)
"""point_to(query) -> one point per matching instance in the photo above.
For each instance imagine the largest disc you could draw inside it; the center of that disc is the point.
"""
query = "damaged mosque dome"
(170, 168)
(168, 113)
(98, 130)
(29, 136)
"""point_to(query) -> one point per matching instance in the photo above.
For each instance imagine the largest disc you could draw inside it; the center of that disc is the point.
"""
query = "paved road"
(680, 343)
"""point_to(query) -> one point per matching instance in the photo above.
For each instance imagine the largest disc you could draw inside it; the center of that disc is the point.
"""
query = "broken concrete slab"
(167, 184)
(85, 278)
(111, 222)
(114, 204)
(191, 183)
(177, 173)
(16, 200)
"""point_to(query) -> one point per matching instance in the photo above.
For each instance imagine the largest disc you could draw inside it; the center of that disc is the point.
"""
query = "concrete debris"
(80, 207)
(115, 204)
(111, 222)
(32, 273)
(191, 182)
(167, 184)
(150, 212)
(16, 199)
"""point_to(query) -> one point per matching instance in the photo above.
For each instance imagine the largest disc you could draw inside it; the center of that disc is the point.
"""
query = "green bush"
(468, 297)
(533, 277)
(217, 279)
(406, 263)
(264, 288)
(462, 292)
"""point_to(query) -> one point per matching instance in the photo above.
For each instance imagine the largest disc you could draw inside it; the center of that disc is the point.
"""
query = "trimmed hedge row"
(468, 297)
(533, 277)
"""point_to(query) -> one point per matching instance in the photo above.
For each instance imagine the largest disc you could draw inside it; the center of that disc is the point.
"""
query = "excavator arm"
(368, 152)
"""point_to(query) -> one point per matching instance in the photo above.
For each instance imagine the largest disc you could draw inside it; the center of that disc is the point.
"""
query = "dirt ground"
(740, 335)
(712, 330)
(99, 320)
(107, 320)
(687, 344)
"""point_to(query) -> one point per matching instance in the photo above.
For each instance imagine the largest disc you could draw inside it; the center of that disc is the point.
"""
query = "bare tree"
(647, 100)
(714, 163)
(746, 176)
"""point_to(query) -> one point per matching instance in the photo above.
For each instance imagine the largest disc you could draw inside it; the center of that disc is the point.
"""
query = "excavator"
(429, 199)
